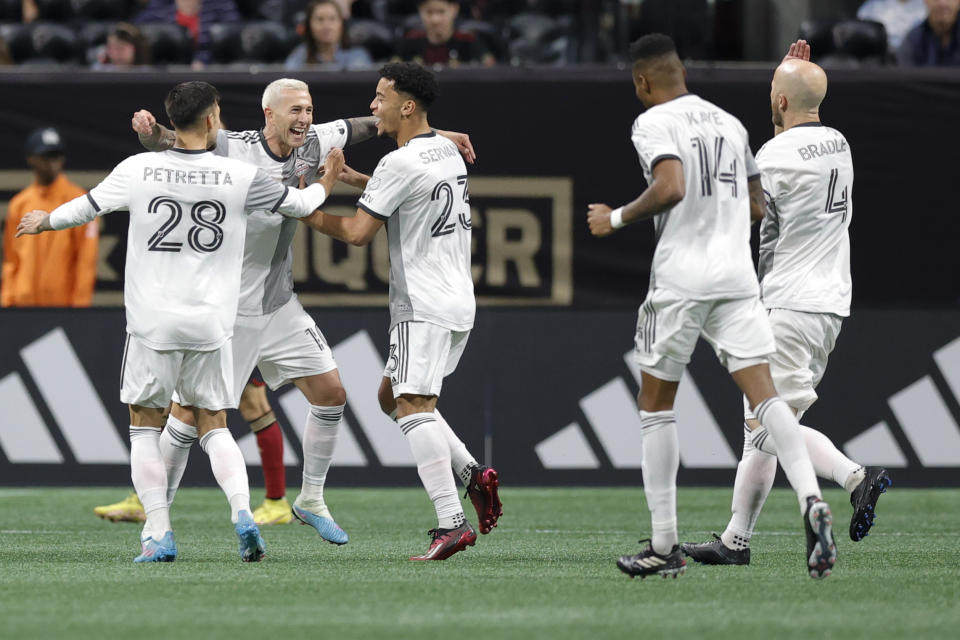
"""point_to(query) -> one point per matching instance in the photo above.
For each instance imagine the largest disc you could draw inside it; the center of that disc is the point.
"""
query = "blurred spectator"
(325, 40)
(4, 53)
(29, 10)
(56, 269)
(126, 47)
(897, 16)
(935, 42)
(439, 42)
(197, 16)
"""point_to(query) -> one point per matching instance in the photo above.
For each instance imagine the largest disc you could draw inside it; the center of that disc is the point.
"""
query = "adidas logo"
(924, 417)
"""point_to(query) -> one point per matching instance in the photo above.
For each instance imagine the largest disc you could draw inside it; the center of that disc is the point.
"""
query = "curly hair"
(413, 79)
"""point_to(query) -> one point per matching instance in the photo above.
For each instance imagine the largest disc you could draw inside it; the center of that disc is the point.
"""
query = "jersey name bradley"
(212, 177)
(825, 148)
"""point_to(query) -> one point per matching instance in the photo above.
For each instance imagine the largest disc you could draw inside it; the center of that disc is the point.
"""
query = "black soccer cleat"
(864, 500)
(821, 547)
(715, 552)
(648, 562)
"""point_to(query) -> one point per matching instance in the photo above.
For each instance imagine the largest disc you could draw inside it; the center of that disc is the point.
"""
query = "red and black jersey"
(462, 48)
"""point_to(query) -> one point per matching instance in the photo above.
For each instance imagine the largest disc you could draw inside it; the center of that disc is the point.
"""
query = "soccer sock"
(150, 479)
(270, 444)
(463, 463)
(319, 441)
(828, 461)
(432, 453)
(755, 474)
(774, 414)
(175, 443)
(228, 468)
(661, 460)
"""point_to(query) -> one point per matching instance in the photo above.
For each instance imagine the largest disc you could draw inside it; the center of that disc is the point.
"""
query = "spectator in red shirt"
(439, 42)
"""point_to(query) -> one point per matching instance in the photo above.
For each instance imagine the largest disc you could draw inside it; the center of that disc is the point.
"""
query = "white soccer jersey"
(267, 281)
(807, 175)
(185, 239)
(703, 243)
(420, 190)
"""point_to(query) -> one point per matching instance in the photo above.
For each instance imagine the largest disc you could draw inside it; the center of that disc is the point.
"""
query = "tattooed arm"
(153, 136)
(361, 129)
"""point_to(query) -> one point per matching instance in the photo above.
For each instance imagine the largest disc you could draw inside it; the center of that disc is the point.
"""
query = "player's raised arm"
(666, 190)
(153, 136)
(365, 127)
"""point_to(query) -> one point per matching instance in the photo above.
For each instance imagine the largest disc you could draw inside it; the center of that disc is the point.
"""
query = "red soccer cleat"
(447, 542)
(482, 490)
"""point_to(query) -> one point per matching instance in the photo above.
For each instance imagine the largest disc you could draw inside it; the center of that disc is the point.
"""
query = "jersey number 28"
(197, 242)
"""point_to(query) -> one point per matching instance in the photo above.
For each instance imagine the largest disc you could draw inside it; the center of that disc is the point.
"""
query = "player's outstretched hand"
(32, 223)
(334, 163)
(598, 217)
(143, 122)
(799, 50)
(462, 140)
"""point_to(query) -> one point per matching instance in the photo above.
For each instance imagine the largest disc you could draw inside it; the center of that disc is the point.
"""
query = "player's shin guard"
(319, 442)
(460, 459)
(229, 469)
(150, 479)
(661, 460)
(432, 453)
(755, 475)
(175, 443)
(774, 414)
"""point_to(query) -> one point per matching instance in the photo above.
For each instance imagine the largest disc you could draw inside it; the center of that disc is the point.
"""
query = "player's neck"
(274, 143)
(791, 120)
(191, 141)
(410, 129)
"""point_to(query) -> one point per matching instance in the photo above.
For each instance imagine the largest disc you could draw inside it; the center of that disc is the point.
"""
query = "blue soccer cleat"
(163, 550)
(252, 546)
(326, 527)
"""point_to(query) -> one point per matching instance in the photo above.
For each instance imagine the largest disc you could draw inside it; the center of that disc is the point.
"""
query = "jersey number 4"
(214, 236)
(710, 161)
(442, 226)
(836, 204)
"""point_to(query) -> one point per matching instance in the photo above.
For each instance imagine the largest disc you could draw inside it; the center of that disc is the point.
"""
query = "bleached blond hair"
(275, 88)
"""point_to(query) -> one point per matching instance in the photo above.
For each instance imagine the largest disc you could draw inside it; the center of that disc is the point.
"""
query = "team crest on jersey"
(301, 167)
(373, 184)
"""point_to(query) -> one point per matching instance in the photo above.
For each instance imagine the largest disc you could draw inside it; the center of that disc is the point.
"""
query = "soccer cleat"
(864, 500)
(273, 512)
(326, 527)
(821, 548)
(127, 510)
(648, 562)
(482, 489)
(715, 552)
(252, 547)
(447, 542)
(162, 550)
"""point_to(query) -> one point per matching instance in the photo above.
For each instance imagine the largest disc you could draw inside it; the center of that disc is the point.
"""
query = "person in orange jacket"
(55, 269)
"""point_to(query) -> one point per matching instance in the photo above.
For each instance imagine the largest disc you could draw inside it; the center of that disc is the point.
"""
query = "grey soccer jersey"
(420, 190)
(267, 281)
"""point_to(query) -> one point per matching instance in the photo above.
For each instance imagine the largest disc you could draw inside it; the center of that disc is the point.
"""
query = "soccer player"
(184, 255)
(420, 192)
(703, 184)
(273, 332)
(807, 177)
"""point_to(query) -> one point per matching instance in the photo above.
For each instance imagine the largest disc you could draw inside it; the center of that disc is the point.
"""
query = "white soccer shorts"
(804, 343)
(284, 345)
(421, 355)
(668, 326)
(203, 379)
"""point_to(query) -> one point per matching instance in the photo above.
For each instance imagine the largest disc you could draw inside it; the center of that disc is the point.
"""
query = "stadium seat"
(101, 9)
(538, 39)
(54, 10)
(266, 42)
(44, 43)
(225, 43)
(169, 43)
(490, 34)
(375, 37)
(864, 40)
(17, 37)
(92, 36)
(819, 35)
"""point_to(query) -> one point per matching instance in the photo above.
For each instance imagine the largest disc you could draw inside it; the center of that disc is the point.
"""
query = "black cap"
(45, 142)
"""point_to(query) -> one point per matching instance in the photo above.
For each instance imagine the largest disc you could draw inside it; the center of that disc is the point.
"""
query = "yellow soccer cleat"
(127, 510)
(273, 512)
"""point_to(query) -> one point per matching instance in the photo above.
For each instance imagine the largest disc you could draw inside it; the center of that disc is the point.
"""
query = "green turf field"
(546, 572)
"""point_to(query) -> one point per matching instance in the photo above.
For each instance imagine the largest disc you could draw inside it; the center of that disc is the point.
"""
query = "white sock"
(319, 442)
(228, 468)
(175, 443)
(828, 461)
(661, 460)
(432, 453)
(149, 479)
(755, 474)
(460, 459)
(774, 414)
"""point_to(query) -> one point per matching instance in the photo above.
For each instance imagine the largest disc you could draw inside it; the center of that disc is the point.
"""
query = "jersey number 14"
(710, 157)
